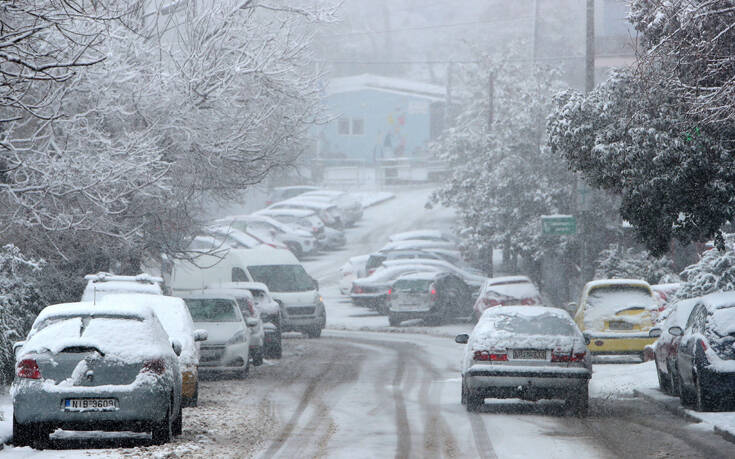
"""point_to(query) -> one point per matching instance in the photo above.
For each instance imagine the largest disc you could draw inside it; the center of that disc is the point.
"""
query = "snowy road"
(368, 390)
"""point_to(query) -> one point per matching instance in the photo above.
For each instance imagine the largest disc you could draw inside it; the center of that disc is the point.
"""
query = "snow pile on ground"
(621, 380)
(6, 415)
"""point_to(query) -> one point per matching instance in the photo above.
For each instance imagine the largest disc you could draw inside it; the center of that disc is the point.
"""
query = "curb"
(678, 410)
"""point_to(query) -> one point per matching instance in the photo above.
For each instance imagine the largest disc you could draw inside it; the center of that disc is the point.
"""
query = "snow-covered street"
(365, 389)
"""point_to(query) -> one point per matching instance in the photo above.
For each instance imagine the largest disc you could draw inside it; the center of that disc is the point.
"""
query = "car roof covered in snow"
(208, 294)
(86, 308)
(608, 282)
(417, 235)
(718, 300)
(416, 244)
(241, 285)
(108, 277)
(507, 280)
(286, 211)
(528, 311)
(424, 275)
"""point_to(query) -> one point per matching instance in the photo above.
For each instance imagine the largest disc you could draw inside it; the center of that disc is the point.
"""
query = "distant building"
(379, 118)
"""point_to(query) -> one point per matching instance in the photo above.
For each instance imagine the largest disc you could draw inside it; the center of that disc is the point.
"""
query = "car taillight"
(528, 301)
(567, 357)
(157, 366)
(487, 356)
(356, 289)
(28, 368)
(490, 302)
(314, 229)
(370, 271)
(390, 290)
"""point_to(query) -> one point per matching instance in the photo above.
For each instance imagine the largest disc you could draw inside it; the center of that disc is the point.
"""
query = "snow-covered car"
(431, 296)
(102, 283)
(298, 241)
(98, 366)
(666, 347)
(506, 291)
(472, 278)
(526, 352)
(303, 219)
(424, 235)
(417, 244)
(706, 357)
(375, 260)
(349, 207)
(245, 239)
(176, 321)
(269, 311)
(334, 238)
(353, 269)
(617, 314)
(227, 347)
(327, 212)
(372, 291)
(246, 303)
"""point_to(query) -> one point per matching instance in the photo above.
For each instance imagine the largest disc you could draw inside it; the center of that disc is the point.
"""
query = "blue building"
(378, 118)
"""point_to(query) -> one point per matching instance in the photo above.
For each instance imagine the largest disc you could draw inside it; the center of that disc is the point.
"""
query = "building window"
(358, 126)
(343, 126)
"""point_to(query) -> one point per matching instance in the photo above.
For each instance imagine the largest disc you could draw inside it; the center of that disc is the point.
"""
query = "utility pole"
(589, 84)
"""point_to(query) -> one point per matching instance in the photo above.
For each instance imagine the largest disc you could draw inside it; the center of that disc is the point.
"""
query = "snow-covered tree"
(20, 302)
(657, 134)
(617, 262)
(714, 272)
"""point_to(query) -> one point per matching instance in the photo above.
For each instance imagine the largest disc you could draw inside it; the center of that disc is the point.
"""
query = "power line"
(427, 27)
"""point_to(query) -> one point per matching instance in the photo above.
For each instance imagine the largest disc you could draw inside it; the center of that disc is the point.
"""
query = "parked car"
(177, 322)
(304, 219)
(666, 347)
(101, 284)
(327, 212)
(526, 352)
(243, 239)
(282, 193)
(424, 235)
(353, 269)
(107, 366)
(227, 347)
(473, 278)
(270, 313)
(616, 313)
(431, 296)
(349, 207)
(372, 291)
(375, 260)
(506, 291)
(334, 238)
(417, 244)
(246, 303)
(213, 245)
(706, 357)
(300, 242)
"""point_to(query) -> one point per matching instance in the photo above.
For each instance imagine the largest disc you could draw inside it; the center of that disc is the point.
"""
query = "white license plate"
(90, 404)
(529, 354)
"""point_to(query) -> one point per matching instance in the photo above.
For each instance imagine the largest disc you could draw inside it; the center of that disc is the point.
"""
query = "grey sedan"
(96, 367)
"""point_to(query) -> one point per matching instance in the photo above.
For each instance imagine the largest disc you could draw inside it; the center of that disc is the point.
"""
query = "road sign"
(558, 225)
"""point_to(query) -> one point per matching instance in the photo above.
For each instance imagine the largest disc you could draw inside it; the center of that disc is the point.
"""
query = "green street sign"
(558, 225)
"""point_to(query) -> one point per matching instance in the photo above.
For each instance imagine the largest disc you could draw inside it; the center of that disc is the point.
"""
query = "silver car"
(227, 347)
(527, 352)
(96, 367)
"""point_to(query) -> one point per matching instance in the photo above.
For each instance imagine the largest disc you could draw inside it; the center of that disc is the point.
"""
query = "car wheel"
(580, 402)
(244, 372)
(673, 382)
(474, 401)
(163, 431)
(393, 320)
(703, 397)
(27, 434)
(178, 426)
(314, 332)
(258, 357)
(663, 381)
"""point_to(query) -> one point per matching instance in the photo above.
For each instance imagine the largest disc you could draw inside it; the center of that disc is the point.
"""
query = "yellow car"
(615, 314)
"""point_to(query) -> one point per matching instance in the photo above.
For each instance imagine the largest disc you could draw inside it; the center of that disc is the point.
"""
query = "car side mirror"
(251, 322)
(676, 331)
(587, 338)
(200, 335)
(654, 332)
(462, 339)
(176, 346)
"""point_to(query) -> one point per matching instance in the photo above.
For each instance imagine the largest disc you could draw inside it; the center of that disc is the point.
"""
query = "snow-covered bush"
(617, 262)
(20, 302)
(714, 272)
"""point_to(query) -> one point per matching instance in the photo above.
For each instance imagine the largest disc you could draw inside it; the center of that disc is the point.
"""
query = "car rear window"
(212, 310)
(412, 285)
(547, 324)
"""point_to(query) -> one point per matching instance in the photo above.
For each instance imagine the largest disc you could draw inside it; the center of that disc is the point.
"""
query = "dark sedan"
(431, 296)
(665, 349)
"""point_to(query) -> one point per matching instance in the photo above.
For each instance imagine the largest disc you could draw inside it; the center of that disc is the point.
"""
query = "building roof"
(368, 81)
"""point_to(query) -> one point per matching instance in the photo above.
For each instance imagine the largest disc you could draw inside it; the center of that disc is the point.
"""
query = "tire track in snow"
(403, 429)
(483, 445)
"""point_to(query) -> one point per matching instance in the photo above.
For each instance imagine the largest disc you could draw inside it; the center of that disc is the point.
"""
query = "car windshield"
(282, 278)
(212, 310)
(545, 324)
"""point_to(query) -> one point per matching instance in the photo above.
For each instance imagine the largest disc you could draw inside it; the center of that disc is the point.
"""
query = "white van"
(302, 308)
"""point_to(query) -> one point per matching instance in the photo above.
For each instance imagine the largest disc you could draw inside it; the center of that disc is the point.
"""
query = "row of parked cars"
(421, 275)
(128, 356)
